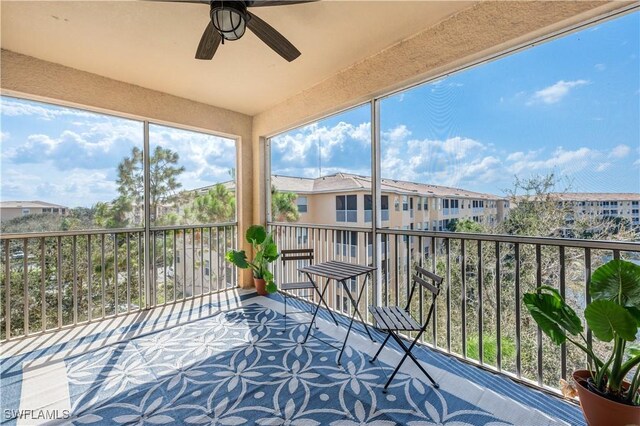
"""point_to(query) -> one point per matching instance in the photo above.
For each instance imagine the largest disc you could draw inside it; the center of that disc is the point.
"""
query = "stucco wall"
(41, 80)
(478, 32)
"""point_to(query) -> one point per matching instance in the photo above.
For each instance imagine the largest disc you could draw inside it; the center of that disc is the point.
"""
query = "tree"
(535, 209)
(218, 204)
(163, 183)
(465, 225)
(283, 206)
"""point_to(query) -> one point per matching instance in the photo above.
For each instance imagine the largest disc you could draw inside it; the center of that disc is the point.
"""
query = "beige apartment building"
(345, 199)
(601, 205)
(13, 209)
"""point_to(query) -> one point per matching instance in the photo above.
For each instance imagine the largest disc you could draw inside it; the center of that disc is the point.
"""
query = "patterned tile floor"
(238, 367)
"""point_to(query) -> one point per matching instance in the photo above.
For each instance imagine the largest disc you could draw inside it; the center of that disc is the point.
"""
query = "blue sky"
(570, 106)
(70, 157)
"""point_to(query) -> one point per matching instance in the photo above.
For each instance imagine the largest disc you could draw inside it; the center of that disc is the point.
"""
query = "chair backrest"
(422, 277)
(296, 254)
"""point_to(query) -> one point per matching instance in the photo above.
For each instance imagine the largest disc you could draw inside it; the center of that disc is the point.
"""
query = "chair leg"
(380, 349)
(407, 354)
(285, 311)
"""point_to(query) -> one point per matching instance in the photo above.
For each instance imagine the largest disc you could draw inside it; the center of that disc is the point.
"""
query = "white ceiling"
(152, 44)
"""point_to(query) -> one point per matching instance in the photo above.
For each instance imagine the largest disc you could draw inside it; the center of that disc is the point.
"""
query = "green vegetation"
(265, 251)
(613, 315)
(283, 206)
(490, 349)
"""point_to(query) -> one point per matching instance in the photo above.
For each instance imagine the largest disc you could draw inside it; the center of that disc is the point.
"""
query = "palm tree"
(283, 206)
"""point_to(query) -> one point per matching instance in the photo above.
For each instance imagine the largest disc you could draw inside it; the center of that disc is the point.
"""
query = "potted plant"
(608, 390)
(265, 251)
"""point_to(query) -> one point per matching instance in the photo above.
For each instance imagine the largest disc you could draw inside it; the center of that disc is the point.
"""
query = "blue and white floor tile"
(238, 367)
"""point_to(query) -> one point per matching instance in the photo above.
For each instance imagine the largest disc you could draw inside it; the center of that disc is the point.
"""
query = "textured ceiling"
(152, 44)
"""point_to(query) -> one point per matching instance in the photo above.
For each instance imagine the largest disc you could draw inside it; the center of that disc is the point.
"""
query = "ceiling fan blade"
(272, 38)
(262, 3)
(208, 43)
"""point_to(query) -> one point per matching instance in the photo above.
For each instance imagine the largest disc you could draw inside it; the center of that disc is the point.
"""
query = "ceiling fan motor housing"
(229, 18)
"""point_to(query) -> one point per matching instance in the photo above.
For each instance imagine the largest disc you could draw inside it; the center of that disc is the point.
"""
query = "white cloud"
(556, 92)
(339, 146)
(600, 67)
(620, 151)
(4, 136)
(603, 166)
(13, 108)
(565, 160)
(398, 133)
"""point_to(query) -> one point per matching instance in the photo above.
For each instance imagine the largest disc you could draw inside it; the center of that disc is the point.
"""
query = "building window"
(346, 208)
(26, 211)
(347, 243)
(207, 268)
(405, 203)
(302, 235)
(384, 207)
(177, 256)
(368, 207)
(302, 204)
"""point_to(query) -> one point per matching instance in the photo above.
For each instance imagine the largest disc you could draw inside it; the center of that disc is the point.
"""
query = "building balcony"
(109, 342)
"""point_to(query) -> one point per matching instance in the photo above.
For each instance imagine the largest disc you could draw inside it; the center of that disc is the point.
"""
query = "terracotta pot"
(600, 411)
(261, 286)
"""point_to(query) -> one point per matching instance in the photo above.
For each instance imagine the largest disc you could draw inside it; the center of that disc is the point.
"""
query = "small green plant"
(613, 316)
(265, 251)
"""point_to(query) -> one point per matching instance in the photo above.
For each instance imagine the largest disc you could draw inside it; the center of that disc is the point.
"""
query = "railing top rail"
(18, 236)
(181, 227)
(328, 227)
(547, 241)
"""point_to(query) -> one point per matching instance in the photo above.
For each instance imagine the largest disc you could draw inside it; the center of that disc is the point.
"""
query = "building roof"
(342, 182)
(596, 196)
(28, 205)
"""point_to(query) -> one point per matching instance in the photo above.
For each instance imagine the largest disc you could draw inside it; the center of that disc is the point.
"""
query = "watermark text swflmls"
(25, 414)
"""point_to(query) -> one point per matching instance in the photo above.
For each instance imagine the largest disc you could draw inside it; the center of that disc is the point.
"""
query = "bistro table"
(340, 272)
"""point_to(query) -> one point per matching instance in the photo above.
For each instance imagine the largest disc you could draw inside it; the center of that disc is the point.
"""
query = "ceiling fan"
(230, 19)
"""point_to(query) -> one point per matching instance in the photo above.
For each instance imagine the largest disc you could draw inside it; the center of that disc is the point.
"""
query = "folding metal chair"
(394, 319)
(296, 255)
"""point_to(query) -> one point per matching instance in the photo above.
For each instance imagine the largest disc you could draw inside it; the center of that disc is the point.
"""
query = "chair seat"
(297, 285)
(393, 318)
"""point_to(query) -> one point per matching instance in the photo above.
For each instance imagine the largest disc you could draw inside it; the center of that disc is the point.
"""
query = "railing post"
(147, 219)
(376, 201)
(7, 289)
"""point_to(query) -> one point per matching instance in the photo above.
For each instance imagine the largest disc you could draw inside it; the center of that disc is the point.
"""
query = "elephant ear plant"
(613, 316)
(265, 251)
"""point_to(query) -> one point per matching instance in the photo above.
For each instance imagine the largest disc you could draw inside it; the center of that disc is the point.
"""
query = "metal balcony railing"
(479, 316)
(60, 279)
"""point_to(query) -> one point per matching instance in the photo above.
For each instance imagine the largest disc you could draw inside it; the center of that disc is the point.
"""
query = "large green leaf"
(256, 234)
(238, 258)
(607, 319)
(614, 279)
(552, 314)
(635, 312)
(270, 249)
